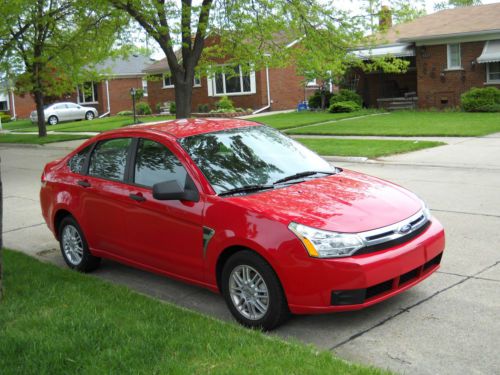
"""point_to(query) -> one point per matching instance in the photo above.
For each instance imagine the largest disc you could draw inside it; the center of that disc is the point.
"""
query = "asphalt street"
(448, 324)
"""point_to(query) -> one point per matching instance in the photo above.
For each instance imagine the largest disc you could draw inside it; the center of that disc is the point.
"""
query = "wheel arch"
(58, 218)
(230, 251)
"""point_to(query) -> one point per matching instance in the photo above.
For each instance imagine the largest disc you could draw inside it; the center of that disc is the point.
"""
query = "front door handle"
(137, 197)
(83, 183)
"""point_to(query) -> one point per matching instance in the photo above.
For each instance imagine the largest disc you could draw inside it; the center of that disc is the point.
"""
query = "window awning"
(491, 52)
(396, 50)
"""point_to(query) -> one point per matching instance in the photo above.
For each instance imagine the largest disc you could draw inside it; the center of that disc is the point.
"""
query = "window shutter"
(210, 86)
(253, 86)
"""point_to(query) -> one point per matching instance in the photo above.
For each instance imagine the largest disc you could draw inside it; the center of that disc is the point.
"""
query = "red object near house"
(236, 207)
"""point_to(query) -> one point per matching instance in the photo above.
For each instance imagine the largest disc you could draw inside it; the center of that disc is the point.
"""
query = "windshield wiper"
(302, 174)
(246, 189)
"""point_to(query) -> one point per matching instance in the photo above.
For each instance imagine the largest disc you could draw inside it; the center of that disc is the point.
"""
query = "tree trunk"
(42, 129)
(1, 238)
(183, 95)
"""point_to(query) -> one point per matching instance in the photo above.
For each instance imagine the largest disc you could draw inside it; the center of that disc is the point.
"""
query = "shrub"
(203, 108)
(347, 106)
(485, 99)
(143, 108)
(225, 104)
(125, 113)
(172, 108)
(315, 99)
(158, 107)
(239, 109)
(345, 95)
(5, 118)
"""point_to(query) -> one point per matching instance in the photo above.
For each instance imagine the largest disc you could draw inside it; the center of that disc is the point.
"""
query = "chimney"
(385, 17)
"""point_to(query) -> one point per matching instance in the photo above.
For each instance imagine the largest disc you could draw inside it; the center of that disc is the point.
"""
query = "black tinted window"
(77, 161)
(155, 163)
(109, 158)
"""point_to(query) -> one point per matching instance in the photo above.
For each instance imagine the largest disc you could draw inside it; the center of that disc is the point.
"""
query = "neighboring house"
(267, 89)
(449, 51)
(109, 95)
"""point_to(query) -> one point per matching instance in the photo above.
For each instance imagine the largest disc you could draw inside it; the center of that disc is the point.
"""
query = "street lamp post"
(132, 93)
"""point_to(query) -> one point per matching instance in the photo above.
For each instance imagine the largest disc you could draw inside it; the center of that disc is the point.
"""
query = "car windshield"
(251, 157)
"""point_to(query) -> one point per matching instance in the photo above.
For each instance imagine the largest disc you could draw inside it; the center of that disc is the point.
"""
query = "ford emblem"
(403, 229)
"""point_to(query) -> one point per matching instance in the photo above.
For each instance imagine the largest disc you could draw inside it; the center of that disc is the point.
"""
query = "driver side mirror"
(171, 190)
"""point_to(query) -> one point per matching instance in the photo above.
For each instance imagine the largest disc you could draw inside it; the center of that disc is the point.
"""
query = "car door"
(166, 235)
(60, 111)
(104, 196)
(74, 112)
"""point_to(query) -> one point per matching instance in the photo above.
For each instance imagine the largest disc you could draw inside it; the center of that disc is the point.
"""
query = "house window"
(454, 60)
(312, 82)
(237, 83)
(493, 72)
(144, 87)
(87, 93)
(167, 81)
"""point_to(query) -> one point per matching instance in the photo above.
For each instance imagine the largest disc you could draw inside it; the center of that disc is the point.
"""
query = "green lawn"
(18, 124)
(294, 119)
(35, 139)
(97, 125)
(413, 123)
(362, 147)
(56, 321)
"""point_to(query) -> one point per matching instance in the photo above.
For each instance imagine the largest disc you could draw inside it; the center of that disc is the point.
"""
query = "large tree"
(252, 33)
(44, 44)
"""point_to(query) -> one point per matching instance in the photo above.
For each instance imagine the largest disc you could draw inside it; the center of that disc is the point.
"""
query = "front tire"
(53, 120)
(74, 248)
(89, 115)
(253, 292)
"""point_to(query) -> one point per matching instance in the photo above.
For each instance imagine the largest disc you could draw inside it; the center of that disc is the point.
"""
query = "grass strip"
(364, 147)
(57, 321)
(97, 125)
(35, 139)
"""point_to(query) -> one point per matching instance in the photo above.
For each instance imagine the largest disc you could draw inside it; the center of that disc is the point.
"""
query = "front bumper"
(353, 283)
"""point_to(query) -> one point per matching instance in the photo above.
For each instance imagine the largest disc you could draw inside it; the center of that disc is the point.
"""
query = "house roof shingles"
(446, 23)
(128, 66)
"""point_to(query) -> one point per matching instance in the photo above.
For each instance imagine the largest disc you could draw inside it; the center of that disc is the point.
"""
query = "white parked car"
(66, 111)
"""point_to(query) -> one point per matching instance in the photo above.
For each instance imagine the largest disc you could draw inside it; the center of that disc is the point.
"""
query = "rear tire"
(74, 248)
(53, 120)
(253, 292)
(89, 115)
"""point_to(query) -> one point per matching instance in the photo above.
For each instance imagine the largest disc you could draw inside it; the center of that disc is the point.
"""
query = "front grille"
(360, 296)
(395, 242)
(395, 234)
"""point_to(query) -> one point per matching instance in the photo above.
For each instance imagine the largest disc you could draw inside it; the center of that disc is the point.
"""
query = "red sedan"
(241, 209)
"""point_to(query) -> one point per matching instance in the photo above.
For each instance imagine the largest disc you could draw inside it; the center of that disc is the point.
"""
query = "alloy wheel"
(249, 292)
(72, 244)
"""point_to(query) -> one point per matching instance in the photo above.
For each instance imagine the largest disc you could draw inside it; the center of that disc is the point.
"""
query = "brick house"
(109, 95)
(449, 52)
(266, 89)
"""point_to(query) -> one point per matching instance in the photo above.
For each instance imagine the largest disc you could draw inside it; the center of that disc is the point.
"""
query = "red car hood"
(346, 202)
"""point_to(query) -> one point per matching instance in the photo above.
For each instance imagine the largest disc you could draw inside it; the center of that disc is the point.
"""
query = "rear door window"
(156, 163)
(109, 159)
(77, 162)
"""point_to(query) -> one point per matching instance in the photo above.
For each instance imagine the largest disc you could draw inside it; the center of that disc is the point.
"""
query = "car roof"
(189, 127)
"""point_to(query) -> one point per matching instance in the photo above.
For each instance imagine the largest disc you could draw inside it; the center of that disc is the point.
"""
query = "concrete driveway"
(449, 324)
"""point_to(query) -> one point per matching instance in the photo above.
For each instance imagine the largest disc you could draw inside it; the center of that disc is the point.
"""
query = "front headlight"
(426, 210)
(326, 244)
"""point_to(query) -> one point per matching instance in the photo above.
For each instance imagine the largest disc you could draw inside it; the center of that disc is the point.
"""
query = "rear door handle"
(137, 197)
(83, 183)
